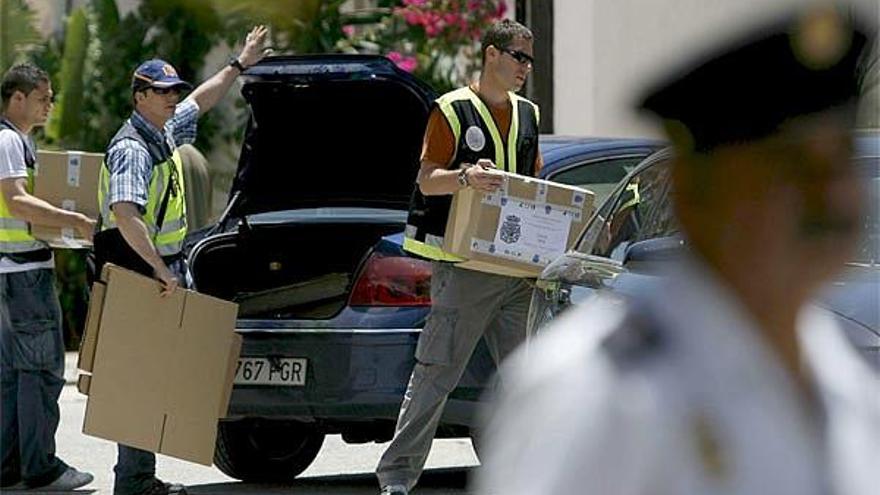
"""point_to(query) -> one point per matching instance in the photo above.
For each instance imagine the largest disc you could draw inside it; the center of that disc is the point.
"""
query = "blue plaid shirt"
(129, 163)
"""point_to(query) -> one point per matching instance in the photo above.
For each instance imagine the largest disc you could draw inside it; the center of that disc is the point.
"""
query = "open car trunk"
(330, 152)
(288, 270)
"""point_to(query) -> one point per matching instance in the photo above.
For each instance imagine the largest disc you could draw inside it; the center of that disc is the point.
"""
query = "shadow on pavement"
(434, 481)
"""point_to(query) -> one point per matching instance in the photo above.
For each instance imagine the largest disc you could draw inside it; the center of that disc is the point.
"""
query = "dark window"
(600, 177)
(642, 210)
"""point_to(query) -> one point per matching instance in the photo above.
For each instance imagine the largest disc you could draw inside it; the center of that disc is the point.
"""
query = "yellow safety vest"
(475, 136)
(15, 235)
(167, 173)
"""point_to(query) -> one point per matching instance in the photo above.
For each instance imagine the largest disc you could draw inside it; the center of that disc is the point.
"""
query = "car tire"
(266, 451)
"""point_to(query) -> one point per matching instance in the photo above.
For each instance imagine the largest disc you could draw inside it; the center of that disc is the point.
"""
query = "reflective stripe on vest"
(15, 236)
(169, 240)
(432, 251)
(464, 108)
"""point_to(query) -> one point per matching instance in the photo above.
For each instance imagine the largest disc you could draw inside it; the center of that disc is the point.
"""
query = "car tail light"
(388, 280)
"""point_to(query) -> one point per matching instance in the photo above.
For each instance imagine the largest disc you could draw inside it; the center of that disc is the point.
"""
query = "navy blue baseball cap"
(157, 73)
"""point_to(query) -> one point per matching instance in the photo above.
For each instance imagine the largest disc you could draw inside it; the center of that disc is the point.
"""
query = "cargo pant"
(32, 376)
(135, 468)
(466, 305)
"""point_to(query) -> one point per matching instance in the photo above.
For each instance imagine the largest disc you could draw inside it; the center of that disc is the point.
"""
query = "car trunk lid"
(329, 130)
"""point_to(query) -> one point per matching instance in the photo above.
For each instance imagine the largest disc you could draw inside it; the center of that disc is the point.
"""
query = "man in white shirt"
(31, 342)
(722, 379)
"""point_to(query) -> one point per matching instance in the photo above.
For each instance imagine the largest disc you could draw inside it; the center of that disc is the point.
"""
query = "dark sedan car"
(330, 306)
(634, 233)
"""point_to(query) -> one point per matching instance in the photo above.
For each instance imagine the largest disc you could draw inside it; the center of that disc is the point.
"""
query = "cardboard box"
(158, 371)
(519, 229)
(69, 180)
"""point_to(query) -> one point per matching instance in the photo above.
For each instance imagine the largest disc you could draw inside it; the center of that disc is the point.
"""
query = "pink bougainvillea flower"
(414, 3)
(473, 5)
(395, 57)
(408, 64)
(348, 30)
(501, 9)
(412, 17)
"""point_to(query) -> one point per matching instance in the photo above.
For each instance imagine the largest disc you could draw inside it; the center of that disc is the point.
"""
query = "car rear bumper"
(352, 375)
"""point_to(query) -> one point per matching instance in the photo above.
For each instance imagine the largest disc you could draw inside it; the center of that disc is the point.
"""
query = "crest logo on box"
(511, 230)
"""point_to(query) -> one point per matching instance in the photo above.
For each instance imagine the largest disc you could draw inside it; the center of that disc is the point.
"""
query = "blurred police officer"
(141, 195)
(724, 379)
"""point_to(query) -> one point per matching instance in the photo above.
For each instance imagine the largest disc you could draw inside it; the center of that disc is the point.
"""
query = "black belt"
(29, 256)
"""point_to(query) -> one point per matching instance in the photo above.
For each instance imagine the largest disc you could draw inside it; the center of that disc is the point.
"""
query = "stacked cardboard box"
(69, 180)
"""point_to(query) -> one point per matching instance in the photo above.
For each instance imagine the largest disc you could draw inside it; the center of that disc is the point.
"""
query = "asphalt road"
(339, 469)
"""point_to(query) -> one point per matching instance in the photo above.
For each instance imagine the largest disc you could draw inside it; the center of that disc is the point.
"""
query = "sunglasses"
(521, 57)
(165, 91)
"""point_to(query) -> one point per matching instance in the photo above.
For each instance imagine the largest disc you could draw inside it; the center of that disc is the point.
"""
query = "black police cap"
(807, 63)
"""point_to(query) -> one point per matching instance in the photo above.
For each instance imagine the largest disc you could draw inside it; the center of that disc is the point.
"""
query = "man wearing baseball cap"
(142, 221)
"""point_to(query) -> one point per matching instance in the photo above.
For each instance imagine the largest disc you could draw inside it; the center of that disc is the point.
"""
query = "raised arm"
(214, 88)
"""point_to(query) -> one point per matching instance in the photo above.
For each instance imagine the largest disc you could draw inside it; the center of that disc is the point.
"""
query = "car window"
(642, 210)
(600, 177)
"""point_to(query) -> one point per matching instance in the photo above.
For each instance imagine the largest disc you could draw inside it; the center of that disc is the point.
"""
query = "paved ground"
(339, 468)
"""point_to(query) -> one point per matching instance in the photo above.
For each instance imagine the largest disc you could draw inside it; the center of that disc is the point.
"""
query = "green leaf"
(67, 123)
(17, 32)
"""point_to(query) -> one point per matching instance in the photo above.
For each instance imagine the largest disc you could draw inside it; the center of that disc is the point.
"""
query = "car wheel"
(266, 451)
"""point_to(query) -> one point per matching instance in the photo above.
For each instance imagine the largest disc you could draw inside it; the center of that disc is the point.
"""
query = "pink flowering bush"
(437, 40)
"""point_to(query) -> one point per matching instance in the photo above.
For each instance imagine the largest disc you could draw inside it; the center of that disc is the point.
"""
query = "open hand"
(253, 46)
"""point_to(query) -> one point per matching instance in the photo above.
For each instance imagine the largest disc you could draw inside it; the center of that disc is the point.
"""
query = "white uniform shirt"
(12, 166)
(707, 409)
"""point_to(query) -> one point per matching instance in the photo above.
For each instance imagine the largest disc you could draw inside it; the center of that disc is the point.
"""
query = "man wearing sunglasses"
(471, 132)
(143, 208)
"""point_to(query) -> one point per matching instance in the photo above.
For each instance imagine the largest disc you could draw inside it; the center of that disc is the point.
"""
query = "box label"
(529, 232)
(74, 161)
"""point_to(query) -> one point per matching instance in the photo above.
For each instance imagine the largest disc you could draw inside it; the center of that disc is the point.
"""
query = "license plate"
(290, 372)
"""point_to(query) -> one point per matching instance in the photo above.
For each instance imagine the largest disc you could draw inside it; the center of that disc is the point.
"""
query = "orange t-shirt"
(439, 144)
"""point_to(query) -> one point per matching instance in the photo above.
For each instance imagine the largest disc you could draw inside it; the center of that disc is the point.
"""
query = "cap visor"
(172, 83)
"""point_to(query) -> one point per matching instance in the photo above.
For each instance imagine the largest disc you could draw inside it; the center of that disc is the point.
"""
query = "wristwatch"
(462, 178)
(234, 62)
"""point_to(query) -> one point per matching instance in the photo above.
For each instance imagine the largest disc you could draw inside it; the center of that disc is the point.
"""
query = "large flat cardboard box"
(158, 371)
(69, 180)
(519, 229)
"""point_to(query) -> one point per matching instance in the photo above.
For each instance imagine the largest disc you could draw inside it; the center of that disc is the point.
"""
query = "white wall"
(606, 52)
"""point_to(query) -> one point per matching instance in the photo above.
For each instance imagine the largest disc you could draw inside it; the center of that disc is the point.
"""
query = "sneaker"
(70, 480)
(394, 490)
(159, 487)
